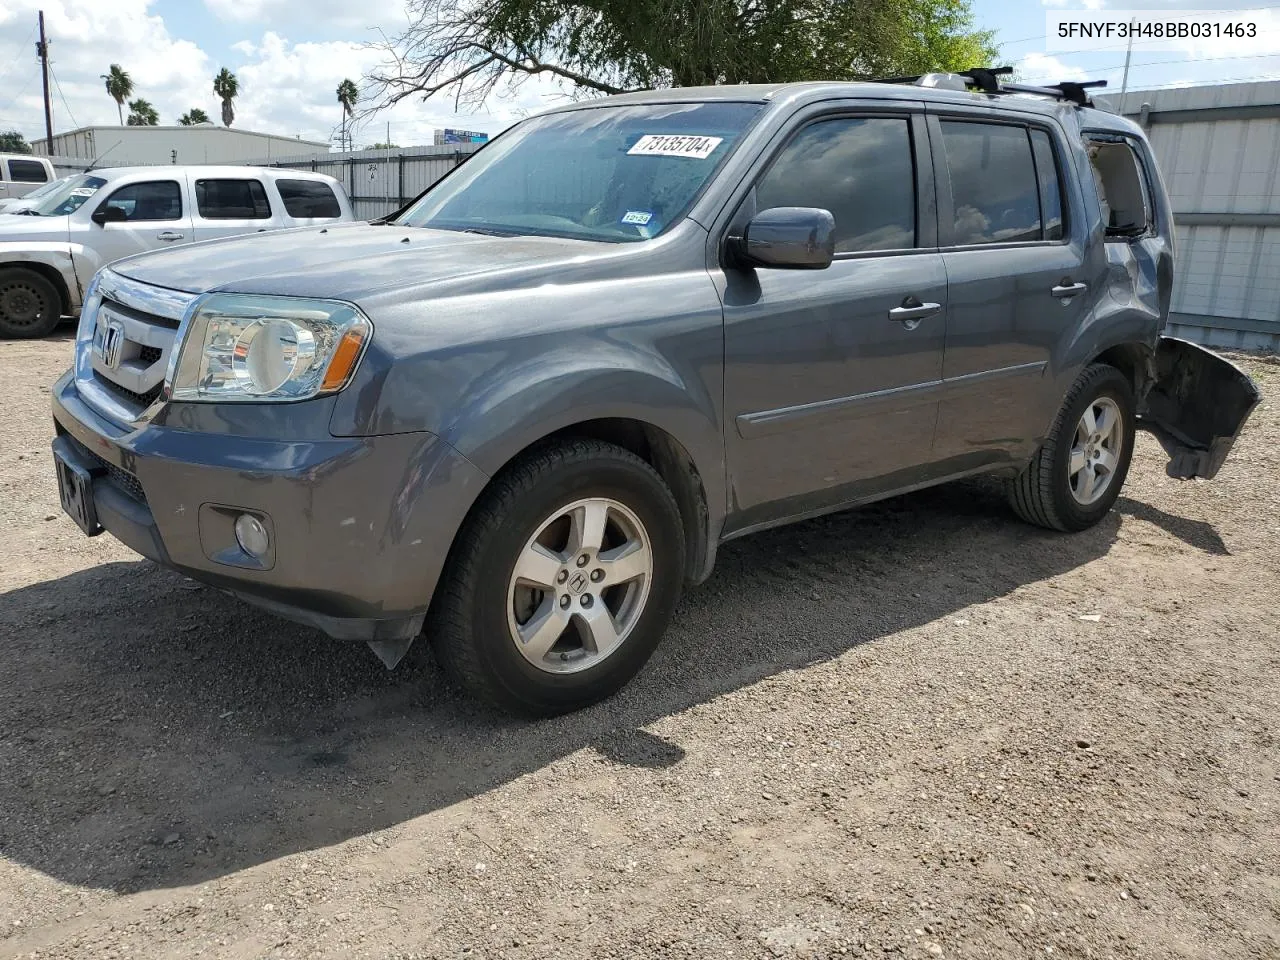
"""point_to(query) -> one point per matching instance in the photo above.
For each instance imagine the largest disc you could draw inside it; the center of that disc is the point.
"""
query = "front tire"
(562, 580)
(29, 304)
(1075, 477)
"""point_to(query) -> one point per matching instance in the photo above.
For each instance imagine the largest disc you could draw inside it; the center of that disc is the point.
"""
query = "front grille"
(121, 478)
(140, 400)
(130, 353)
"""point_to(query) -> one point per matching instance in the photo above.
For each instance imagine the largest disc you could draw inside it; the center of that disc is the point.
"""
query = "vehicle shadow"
(155, 733)
(1194, 533)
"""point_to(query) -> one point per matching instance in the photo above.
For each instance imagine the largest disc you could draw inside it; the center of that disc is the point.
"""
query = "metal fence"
(380, 181)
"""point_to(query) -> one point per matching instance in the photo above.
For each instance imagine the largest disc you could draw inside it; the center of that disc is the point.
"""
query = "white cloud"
(1043, 68)
(292, 88)
(333, 14)
(86, 37)
(286, 87)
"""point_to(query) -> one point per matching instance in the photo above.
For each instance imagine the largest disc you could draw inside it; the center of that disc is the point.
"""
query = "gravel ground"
(918, 730)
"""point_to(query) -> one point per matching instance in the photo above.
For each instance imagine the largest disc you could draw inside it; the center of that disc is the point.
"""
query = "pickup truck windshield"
(69, 196)
(605, 173)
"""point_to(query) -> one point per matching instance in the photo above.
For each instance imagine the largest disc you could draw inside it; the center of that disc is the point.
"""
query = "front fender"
(56, 255)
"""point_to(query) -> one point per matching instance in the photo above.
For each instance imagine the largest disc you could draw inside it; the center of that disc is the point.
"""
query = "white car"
(49, 253)
(32, 199)
(21, 174)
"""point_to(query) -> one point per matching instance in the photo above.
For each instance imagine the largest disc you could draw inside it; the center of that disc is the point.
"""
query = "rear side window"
(27, 171)
(308, 198)
(861, 170)
(232, 200)
(993, 183)
(1122, 188)
(153, 200)
(1050, 185)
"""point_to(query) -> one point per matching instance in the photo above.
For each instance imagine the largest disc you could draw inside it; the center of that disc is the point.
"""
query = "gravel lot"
(918, 730)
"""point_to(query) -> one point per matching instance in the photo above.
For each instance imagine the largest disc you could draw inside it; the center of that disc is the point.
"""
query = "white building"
(206, 143)
(1218, 147)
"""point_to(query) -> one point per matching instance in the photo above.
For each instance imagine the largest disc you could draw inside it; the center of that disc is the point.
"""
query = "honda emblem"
(108, 343)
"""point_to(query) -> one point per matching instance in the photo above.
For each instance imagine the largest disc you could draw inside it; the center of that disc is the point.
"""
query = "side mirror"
(106, 214)
(795, 238)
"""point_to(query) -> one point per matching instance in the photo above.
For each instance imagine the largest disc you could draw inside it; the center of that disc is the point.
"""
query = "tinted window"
(156, 200)
(612, 173)
(1050, 185)
(232, 200)
(993, 183)
(27, 171)
(859, 169)
(308, 198)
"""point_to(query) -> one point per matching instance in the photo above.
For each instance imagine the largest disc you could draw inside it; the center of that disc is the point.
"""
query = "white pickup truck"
(50, 251)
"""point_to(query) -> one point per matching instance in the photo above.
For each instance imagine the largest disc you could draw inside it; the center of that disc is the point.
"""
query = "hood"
(18, 226)
(347, 261)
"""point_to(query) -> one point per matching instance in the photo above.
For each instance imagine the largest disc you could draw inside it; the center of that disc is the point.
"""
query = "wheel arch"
(48, 272)
(1135, 360)
(667, 455)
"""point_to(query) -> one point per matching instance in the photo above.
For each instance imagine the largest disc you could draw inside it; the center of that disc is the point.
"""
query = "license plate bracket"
(75, 490)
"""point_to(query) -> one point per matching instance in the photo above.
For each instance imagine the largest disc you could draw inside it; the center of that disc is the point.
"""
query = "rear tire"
(1075, 477)
(518, 621)
(30, 305)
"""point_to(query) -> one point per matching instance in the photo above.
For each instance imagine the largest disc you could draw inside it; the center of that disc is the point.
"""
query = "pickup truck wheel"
(1075, 477)
(29, 304)
(562, 580)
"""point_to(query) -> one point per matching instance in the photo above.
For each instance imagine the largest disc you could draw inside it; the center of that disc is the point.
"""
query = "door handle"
(168, 235)
(1066, 290)
(913, 311)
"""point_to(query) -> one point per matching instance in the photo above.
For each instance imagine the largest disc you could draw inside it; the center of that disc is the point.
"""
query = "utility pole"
(1128, 55)
(42, 48)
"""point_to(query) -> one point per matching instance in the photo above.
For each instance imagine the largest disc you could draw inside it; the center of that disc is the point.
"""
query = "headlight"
(242, 347)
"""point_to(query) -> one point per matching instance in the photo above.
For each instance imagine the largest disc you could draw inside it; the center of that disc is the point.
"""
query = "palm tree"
(142, 114)
(119, 87)
(226, 87)
(347, 96)
(193, 116)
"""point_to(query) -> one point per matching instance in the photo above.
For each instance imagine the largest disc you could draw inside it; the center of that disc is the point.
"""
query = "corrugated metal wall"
(380, 181)
(1219, 150)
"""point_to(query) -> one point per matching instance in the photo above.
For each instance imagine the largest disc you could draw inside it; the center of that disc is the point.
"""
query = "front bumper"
(361, 526)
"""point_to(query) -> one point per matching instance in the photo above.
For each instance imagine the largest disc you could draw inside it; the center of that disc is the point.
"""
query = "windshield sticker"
(84, 191)
(675, 145)
(637, 218)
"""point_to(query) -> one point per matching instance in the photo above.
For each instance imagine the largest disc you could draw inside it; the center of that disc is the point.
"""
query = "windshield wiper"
(485, 232)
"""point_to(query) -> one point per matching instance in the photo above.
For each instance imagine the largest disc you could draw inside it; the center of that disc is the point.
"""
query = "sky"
(290, 56)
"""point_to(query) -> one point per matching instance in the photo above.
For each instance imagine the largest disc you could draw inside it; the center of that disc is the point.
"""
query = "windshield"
(605, 173)
(45, 189)
(69, 196)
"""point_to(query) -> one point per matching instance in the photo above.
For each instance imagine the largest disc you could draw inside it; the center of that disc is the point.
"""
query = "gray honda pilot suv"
(523, 412)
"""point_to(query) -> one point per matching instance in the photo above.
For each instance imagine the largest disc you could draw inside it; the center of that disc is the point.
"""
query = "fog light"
(252, 536)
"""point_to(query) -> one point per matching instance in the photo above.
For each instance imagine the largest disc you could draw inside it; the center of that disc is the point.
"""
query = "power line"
(74, 121)
(1115, 46)
(9, 69)
(17, 96)
(1161, 63)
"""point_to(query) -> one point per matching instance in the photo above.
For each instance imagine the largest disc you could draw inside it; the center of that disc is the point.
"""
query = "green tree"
(227, 88)
(11, 141)
(119, 87)
(609, 46)
(347, 96)
(142, 114)
(383, 146)
(193, 116)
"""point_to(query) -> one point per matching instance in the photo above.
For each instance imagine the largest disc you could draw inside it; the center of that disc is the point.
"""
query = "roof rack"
(987, 80)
